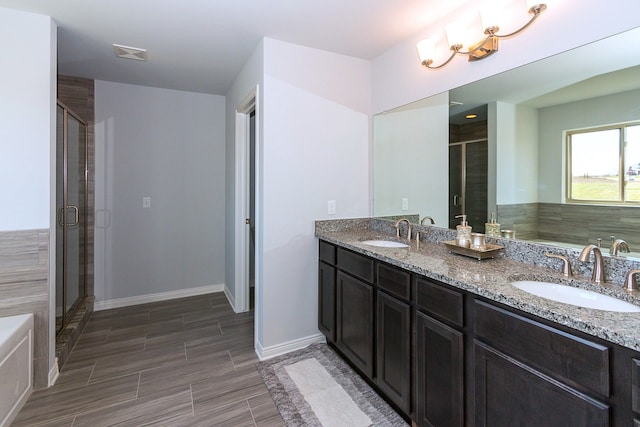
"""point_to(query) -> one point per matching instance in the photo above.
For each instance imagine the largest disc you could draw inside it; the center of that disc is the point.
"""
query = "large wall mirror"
(512, 158)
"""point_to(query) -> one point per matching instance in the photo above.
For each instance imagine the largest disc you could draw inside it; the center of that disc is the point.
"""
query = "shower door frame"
(68, 315)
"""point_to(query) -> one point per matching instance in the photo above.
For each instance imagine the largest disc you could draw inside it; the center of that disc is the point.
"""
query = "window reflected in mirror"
(598, 157)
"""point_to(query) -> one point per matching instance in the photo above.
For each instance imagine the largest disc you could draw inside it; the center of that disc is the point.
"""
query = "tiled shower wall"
(77, 94)
(571, 223)
(24, 288)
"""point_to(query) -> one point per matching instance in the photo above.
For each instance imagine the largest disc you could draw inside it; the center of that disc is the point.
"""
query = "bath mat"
(315, 387)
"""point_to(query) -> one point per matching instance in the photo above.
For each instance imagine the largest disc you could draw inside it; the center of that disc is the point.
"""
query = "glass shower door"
(71, 196)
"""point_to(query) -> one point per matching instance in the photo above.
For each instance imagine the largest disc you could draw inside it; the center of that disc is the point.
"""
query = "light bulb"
(426, 49)
(493, 13)
(464, 31)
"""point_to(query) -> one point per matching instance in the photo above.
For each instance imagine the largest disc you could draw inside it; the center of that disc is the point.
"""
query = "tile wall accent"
(523, 218)
(571, 223)
(584, 224)
(24, 288)
(78, 95)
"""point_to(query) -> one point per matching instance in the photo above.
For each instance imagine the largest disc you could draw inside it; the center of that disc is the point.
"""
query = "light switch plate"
(146, 202)
(405, 204)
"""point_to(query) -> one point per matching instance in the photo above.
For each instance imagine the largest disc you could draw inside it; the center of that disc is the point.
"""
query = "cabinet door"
(508, 393)
(354, 322)
(327, 301)
(393, 350)
(439, 374)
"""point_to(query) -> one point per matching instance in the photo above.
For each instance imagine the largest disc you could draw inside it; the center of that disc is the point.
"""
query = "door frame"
(242, 193)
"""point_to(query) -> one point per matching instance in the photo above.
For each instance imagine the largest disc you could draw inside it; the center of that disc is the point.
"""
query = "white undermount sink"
(575, 296)
(384, 243)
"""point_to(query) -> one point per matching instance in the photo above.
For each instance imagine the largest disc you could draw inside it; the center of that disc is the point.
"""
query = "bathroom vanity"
(450, 342)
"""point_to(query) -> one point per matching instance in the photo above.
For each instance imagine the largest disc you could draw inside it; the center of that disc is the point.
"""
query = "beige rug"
(315, 387)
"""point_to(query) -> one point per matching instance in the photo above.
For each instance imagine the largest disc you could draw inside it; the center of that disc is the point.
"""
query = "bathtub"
(16, 359)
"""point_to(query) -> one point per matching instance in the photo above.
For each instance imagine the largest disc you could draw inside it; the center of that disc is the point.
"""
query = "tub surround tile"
(492, 278)
(24, 288)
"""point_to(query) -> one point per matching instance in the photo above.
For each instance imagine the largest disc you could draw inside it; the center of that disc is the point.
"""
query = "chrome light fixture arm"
(535, 10)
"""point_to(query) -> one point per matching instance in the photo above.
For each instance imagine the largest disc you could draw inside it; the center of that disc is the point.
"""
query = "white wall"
(554, 121)
(27, 119)
(399, 78)
(170, 146)
(516, 153)
(316, 121)
(28, 142)
(410, 159)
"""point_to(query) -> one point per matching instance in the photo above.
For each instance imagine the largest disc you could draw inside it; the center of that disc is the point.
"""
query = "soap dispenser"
(492, 228)
(463, 237)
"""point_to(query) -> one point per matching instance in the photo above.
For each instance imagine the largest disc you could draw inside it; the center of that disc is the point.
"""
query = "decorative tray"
(478, 254)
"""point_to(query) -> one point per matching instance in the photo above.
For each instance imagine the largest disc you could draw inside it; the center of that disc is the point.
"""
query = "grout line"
(220, 327)
(74, 420)
(193, 410)
(138, 388)
(184, 344)
(93, 368)
(253, 418)
(232, 363)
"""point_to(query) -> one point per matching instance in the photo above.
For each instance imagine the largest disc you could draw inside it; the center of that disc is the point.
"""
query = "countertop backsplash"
(615, 268)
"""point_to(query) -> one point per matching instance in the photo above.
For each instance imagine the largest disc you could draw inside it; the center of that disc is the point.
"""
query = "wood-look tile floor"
(184, 362)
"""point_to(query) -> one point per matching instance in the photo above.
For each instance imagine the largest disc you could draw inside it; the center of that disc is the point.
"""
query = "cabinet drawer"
(571, 359)
(439, 301)
(395, 281)
(355, 264)
(327, 253)
(509, 392)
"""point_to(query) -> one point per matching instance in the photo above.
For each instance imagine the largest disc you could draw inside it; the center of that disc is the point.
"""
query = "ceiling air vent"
(128, 52)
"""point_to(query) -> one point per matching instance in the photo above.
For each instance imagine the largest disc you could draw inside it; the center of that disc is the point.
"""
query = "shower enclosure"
(71, 215)
(468, 183)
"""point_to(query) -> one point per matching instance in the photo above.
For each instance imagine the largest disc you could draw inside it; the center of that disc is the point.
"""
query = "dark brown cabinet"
(393, 349)
(508, 392)
(327, 301)
(449, 358)
(439, 355)
(439, 374)
(354, 321)
(327, 290)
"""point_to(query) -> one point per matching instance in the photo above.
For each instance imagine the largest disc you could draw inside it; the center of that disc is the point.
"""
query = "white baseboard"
(54, 373)
(231, 298)
(265, 353)
(162, 296)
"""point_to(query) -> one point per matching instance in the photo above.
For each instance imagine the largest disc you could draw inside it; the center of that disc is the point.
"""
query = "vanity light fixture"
(481, 49)
(471, 116)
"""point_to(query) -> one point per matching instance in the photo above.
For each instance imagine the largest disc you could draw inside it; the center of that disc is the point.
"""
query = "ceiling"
(201, 45)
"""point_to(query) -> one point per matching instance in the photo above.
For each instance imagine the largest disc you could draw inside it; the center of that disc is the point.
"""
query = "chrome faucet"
(408, 228)
(566, 265)
(598, 266)
(618, 245)
(630, 283)
(425, 218)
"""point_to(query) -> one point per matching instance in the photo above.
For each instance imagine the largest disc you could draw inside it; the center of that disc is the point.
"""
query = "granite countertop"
(491, 278)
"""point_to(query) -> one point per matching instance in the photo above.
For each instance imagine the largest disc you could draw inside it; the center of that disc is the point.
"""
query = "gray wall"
(167, 145)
